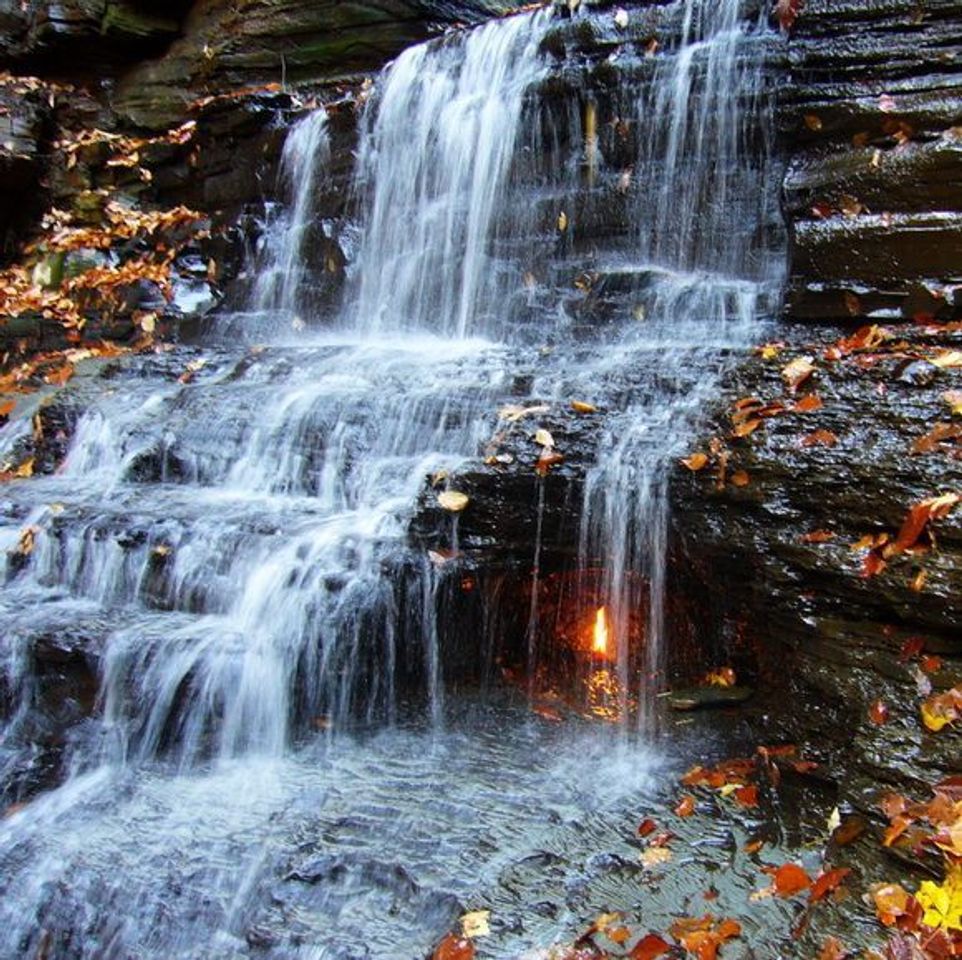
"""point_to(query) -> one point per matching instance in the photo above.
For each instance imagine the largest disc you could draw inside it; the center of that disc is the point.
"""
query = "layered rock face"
(800, 555)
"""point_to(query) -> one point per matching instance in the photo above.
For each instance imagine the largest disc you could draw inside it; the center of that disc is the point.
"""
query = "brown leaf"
(740, 478)
(819, 438)
(647, 826)
(686, 806)
(849, 830)
(937, 435)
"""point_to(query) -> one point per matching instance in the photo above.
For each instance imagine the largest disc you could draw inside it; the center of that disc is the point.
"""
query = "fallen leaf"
(744, 429)
(549, 458)
(790, 879)
(813, 122)
(453, 947)
(941, 709)
(817, 536)
(832, 949)
(826, 883)
(543, 438)
(819, 438)
(919, 517)
(695, 462)
(942, 903)
(878, 713)
(655, 856)
(808, 404)
(646, 827)
(475, 924)
(947, 358)
(786, 12)
(849, 830)
(891, 902)
(686, 806)
(453, 500)
(798, 371)
(747, 796)
(740, 478)
(579, 406)
(954, 399)
(649, 948)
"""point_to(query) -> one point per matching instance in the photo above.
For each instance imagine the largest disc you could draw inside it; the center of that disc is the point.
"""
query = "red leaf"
(826, 883)
(453, 947)
(790, 879)
(911, 648)
(747, 796)
(646, 826)
(878, 713)
(786, 12)
(649, 947)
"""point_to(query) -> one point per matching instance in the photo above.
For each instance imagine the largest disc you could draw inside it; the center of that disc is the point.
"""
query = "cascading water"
(228, 538)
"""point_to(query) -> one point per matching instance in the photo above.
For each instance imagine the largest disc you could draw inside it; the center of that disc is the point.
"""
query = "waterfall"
(281, 279)
(225, 558)
(705, 270)
(435, 156)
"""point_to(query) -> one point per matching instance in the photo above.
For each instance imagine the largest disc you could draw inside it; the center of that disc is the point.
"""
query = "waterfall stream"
(228, 538)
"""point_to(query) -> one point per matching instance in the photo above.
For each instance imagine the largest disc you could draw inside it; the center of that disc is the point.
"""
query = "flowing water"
(228, 536)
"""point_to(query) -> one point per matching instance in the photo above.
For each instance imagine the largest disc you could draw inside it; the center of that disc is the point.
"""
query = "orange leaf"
(919, 516)
(744, 429)
(695, 462)
(895, 830)
(790, 879)
(891, 902)
(648, 948)
(7, 408)
(453, 947)
(817, 536)
(740, 478)
(826, 883)
(686, 806)
(809, 403)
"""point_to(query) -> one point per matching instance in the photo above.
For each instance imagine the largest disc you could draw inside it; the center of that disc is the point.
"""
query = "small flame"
(600, 641)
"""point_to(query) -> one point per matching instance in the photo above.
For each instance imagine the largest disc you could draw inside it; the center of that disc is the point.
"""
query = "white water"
(234, 550)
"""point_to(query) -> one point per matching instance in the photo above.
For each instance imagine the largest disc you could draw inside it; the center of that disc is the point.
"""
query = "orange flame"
(600, 638)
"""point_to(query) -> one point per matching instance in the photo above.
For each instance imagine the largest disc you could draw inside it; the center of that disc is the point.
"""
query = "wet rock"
(696, 698)
(870, 122)
(787, 573)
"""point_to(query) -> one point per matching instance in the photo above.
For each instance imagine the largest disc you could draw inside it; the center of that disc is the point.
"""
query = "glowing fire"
(600, 637)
